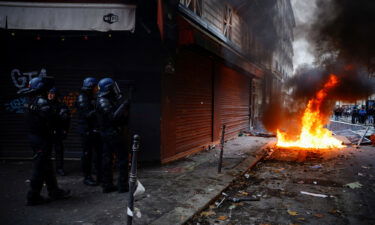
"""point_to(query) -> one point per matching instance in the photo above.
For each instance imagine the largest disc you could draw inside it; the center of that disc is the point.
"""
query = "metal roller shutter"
(193, 102)
(232, 101)
(188, 108)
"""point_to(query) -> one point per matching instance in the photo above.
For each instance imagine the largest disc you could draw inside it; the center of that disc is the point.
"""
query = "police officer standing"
(113, 112)
(61, 124)
(88, 128)
(39, 118)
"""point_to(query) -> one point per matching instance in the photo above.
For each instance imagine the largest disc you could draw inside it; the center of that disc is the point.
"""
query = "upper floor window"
(193, 5)
(227, 28)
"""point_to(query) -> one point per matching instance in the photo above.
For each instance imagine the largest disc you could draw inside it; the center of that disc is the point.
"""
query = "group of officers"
(102, 123)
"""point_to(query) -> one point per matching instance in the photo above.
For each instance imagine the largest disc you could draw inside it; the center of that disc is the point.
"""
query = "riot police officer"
(39, 118)
(88, 128)
(112, 112)
(61, 123)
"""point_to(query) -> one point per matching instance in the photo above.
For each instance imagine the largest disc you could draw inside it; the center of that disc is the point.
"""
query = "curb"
(181, 215)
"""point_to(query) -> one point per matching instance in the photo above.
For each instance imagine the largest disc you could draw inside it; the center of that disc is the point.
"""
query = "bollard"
(221, 149)
(133, 179)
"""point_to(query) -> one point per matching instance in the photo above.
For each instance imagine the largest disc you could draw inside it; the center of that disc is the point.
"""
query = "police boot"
(89, 181)
(108, 188)
(58, 194)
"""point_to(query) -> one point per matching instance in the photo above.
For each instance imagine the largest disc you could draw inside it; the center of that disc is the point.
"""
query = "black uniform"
(113, 131)
(60, 125)
(39, 117)
(91, 139)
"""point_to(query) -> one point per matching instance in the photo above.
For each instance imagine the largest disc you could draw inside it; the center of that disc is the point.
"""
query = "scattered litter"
(361, 174)
(319, 166)
(247, 176)
(319, 215)
(222, 218)
(232, 207)
(301, 218)
(244, 193)
(313, 194)
(335, 211)
(366, 167)
(354, 185)
(292, 213)
(278, 170)
(235, 200)
(137, 212)
(208, 213)
(314, 182)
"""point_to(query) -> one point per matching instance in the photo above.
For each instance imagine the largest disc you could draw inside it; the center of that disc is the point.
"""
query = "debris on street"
(313, 194)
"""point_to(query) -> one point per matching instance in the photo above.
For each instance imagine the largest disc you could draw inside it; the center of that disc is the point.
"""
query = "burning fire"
(313, 134)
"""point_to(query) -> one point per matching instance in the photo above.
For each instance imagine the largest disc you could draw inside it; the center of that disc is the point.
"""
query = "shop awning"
(67, 16)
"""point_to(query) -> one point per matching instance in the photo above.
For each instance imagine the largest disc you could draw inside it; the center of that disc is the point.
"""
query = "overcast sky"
(304, 12)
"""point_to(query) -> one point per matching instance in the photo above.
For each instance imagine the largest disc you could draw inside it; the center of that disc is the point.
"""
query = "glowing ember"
(313, 134)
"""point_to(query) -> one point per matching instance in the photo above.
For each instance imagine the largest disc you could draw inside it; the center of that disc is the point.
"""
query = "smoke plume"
(343, 33)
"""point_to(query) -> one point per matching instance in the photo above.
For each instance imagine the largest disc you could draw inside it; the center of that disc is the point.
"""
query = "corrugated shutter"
(193, 102)
(187, 106)
(232, 101)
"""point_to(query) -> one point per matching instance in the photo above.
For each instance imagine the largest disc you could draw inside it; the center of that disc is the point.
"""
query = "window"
(193, 5)
(227, 28)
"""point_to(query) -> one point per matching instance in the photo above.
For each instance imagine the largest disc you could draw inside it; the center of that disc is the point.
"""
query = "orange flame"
(313, 134)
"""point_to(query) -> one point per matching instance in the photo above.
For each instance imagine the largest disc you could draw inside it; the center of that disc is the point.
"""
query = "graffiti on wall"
(21, 79)
(16, 105)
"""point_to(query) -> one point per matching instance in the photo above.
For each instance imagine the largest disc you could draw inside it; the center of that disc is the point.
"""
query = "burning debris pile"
(313, 134)
(343, 36)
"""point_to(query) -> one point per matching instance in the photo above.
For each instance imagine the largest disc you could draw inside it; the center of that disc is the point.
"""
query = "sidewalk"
(174, 192)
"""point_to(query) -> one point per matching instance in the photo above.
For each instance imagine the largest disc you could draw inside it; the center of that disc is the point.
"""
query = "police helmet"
(53, 90)
(36, 84)
(108, 85)
(89, 83)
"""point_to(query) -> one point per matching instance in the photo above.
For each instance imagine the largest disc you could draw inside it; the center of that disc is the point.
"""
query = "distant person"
(88, 128)
(362, 115)
(354, 115)
(371, 115)
(61, 124)
(337, 113)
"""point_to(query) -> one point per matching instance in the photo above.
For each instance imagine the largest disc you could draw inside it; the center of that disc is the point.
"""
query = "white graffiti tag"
(21, 80)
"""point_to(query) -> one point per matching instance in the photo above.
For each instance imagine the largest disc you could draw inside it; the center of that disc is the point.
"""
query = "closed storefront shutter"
(232, 101)
(188, 111)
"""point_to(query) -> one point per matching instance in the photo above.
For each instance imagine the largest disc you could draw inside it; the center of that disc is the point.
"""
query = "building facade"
(192, 65)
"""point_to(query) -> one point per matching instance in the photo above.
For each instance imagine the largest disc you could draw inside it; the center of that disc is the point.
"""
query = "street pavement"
(174, 192)
(343, 179)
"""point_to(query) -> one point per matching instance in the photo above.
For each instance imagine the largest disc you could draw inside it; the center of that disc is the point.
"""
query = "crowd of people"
(357, 114)
(102, 124)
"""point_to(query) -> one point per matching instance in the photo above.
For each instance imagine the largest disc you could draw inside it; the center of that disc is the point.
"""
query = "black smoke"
(344, 36)
(348, 28)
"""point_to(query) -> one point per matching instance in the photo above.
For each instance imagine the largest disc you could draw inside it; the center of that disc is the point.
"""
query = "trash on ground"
(222, 218)
(247, 176)
(313, 194)
(292, 213)
(208, 213)
(319, 166)
(354, 185)
(319, 215)
(361, 174)
(244, 193)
